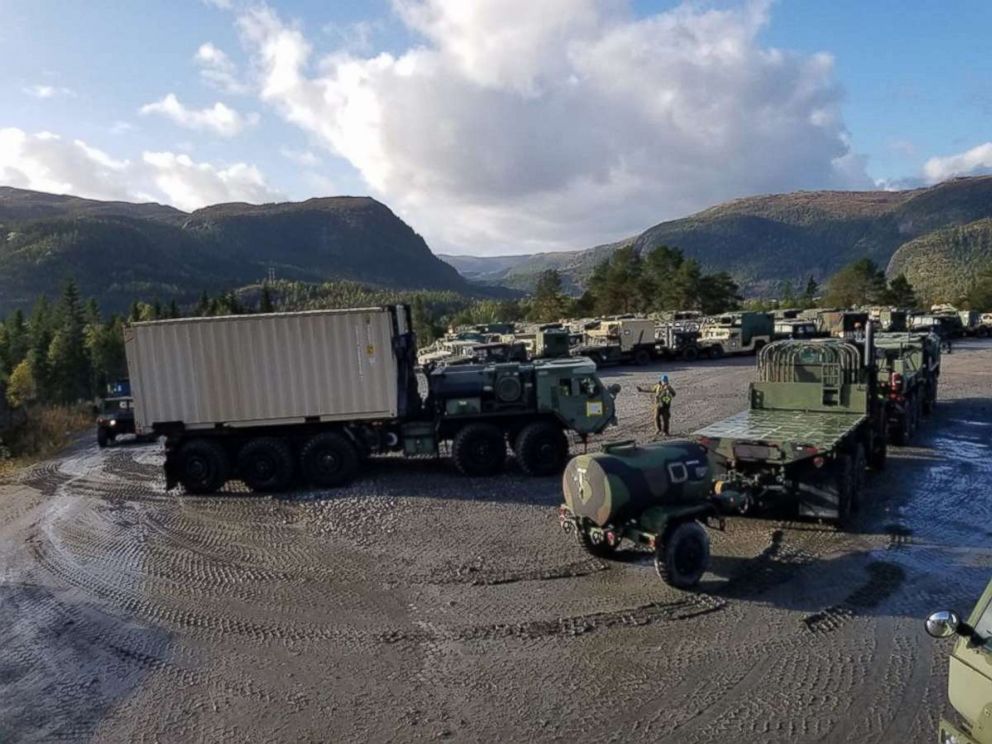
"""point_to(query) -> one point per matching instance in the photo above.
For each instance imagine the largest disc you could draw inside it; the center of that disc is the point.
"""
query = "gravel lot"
(418, 605)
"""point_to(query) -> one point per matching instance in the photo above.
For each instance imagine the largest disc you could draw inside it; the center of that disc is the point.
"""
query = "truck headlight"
(113, 422)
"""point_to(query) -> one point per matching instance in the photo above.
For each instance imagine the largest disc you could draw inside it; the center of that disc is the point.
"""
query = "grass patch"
(47, 430)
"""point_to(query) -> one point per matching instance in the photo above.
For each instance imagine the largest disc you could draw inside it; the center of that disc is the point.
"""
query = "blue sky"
(457, 153)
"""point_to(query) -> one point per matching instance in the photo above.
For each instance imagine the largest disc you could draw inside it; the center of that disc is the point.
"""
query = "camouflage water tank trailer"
(657, 495)
(814, 425)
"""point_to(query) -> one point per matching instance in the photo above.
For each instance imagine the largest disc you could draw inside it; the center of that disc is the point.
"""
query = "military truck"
(677, 341)
(814, 425)
(946, 325)
(908, 374)
(544, 342)
(795, 328)
(889, 320)
(271, 398)
(842, 323)
(972, 324)
(969, 674)
(116, 418)
(736, 333)
(619, 341)
(658, 495)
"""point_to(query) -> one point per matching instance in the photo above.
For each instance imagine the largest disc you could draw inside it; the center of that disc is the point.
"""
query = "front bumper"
(951, 734)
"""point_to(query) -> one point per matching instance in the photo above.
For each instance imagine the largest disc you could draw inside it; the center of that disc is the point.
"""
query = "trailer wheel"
(102, 437)
(266, 464)
(690, 354)
(541, 449)
(479, 449)
(683, 555)
(203, 466)
(328, 460)
(642, 357)
(716, 351)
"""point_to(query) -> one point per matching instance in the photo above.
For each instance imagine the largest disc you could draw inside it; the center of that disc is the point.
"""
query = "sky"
(492, 126)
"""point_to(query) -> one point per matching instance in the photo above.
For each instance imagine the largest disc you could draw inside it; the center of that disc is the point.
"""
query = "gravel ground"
(418, 605)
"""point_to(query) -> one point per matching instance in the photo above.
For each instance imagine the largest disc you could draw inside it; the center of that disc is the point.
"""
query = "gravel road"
(418, 605)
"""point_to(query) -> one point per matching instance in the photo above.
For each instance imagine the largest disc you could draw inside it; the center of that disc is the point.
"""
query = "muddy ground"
(418, 605)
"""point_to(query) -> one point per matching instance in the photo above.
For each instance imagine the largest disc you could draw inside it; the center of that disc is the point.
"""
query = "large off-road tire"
(683, 555)
(541, 449)
(860, 485)
(843, 484)
(203, 466)
(690, 354)
(598, 550)
(266, 464)
(102, 437)
(880, 453)
(642, 357)
(328, 460)
(479, 449)
(715, 351)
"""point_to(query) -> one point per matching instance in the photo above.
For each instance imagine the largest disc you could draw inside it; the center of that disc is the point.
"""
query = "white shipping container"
(254, 370)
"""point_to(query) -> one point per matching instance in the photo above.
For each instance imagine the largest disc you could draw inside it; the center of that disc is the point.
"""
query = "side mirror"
(943, 624)
(614, 390)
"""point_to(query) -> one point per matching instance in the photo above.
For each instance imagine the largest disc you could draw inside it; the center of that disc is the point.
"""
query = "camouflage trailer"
(656, 495)
(814, 425)
(908, 373)
(969, 674)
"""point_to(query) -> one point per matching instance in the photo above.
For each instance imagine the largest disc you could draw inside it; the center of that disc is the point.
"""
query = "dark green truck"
(815, 425)
(908, 373)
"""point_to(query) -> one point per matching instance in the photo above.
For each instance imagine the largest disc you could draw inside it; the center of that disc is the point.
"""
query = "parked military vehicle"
(269, 398)
(619, 341)
(946, 325)
(545, 342)
(658, 495)
(908, 374)
(736, 333)
(972, 324)
(846, 324)
(889, 320)
(116, 418)
(814, 425)
(969, 674)
(677, 341)
(795, 328)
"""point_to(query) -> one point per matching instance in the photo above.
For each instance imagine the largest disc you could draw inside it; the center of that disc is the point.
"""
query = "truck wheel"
(102, 438)
(690, 354)
(843, 486)
(684, 555)
(329, 460)
(642, 357)
(266, 464)
(541, 449)
(479, 449)
(203, 466)
(716, 351)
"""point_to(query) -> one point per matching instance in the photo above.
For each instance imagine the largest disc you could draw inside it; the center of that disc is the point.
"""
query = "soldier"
(663, 393)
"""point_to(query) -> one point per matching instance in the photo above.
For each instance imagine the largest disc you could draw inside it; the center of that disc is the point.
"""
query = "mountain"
(119, 252)
(942, 264)
(765, 240)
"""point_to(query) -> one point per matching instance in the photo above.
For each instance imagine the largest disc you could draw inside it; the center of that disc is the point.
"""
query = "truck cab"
(969, 674)
(116, 418)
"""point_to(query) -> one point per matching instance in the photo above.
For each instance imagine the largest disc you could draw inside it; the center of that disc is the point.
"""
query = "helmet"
(664, 378)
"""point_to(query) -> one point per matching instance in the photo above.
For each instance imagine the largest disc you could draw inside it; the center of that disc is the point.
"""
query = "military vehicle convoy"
(269, 399)
(814, 426)
(658, 495)
(969, 674)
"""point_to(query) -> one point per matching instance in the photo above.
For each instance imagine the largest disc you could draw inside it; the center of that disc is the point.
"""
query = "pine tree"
(265, 304)
(901, 293)
(810, 293)
(549, 302)
(67, 357)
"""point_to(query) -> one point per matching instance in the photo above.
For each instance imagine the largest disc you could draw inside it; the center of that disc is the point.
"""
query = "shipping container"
(252, 370)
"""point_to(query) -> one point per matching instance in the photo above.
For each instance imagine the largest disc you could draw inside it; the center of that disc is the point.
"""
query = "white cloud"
(217, 69)
(517, 125)
(219, 118)
(48, 91)
(47, 162)
(303, 158)
(973, 162)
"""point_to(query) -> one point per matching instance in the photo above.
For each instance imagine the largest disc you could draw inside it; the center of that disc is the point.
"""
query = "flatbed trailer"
(814, 426)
